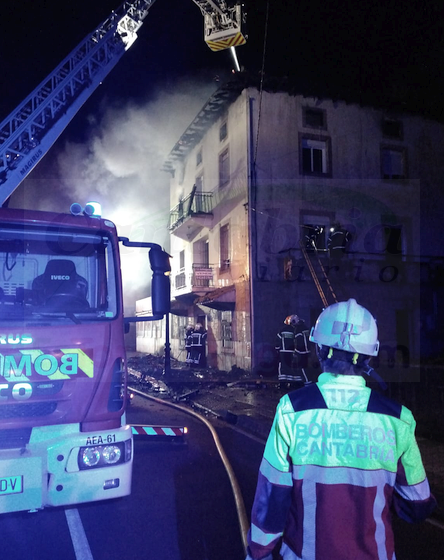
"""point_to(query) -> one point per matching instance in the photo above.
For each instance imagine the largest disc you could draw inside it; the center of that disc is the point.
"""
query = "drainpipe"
(251, 202)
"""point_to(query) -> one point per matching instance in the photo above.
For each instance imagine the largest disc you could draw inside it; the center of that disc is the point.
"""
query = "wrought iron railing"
(196, 203)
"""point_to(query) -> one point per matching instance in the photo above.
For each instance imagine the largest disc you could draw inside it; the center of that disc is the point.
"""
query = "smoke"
(120, 166)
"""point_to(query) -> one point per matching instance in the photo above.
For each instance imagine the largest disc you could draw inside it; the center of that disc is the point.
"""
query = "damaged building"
(260, 181)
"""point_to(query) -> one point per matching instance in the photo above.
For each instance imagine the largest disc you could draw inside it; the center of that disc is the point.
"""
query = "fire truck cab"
(63, 437)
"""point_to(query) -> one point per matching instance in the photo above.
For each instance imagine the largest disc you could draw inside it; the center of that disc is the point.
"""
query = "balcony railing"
(202, 276)
(195, 204)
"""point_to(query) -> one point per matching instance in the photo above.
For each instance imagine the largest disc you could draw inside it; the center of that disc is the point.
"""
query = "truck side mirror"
(160, 285)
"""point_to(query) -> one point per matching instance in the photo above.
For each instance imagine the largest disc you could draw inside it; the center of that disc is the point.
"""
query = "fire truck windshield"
(56, 274)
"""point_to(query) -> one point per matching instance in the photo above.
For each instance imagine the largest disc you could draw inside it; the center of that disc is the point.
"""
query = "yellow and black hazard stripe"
(221, 44)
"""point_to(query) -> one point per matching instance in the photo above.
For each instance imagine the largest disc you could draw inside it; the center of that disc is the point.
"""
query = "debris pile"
(147, 372)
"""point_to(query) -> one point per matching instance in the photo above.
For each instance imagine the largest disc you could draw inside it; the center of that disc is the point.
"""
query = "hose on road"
(240, 506)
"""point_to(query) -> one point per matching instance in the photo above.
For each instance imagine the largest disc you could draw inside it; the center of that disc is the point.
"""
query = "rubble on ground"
(182, 381)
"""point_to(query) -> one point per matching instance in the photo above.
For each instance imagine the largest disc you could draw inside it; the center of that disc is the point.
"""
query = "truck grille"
(27, 410)
(10, 439)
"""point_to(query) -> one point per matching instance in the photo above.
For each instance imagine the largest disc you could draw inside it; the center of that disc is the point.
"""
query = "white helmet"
(347, 326)
(291, 320)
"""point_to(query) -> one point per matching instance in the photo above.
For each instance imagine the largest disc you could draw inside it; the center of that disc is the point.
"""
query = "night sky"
(391, 49)
(389, 53)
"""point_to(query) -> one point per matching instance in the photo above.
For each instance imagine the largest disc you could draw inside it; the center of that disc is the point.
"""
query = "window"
(315, 155)
(393, 163)
(199, 183)
(55, 274)
(227, 329)
(392, 128)
(179, 324)
(223, 132)
(199, 158)
(225, 247)
(182, 260)
(385, 239)
(314, 118)
(393, 240)
(315, 230)
(224, 168)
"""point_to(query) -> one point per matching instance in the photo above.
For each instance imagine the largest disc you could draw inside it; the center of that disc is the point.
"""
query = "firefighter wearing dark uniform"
(293, 350)
(338, 240)
(188, 336)
(198, 346)
(338, 457)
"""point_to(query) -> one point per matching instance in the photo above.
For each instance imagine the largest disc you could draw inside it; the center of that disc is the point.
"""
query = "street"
(181, 507)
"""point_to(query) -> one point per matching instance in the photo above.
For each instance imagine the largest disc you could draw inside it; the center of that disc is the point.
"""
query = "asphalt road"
(181, 507)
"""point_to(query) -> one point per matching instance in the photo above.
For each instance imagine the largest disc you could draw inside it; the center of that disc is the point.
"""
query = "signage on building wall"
(204, 273)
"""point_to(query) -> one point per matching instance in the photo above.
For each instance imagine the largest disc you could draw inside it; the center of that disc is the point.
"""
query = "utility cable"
(261, 86)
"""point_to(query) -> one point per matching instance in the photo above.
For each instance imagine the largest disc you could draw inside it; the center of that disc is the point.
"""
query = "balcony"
(192, 214)
(196, 282)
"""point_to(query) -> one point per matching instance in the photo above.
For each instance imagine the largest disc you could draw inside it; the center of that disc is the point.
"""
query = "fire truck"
(63, 373)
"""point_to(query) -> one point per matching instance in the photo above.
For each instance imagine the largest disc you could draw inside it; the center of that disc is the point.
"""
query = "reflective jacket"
(338, 456)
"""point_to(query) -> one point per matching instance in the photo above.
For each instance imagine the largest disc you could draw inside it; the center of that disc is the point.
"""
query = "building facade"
(259, 183)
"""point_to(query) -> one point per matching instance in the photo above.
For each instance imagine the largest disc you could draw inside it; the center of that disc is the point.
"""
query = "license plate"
(11, 485)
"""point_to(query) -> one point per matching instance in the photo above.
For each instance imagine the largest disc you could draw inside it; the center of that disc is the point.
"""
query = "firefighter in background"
(188, 335)
(338, 457)
(301, 349)
(338, 241)
(198, 354)
(293, 351)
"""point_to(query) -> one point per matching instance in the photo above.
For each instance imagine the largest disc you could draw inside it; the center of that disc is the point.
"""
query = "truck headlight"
(111, 454)
(90, 456)
(104, 455)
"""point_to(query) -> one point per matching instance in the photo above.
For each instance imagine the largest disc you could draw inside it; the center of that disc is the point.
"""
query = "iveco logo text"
(60, 277)
(15, 339)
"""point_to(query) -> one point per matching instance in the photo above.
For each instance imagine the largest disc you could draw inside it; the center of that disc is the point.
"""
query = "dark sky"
(389, 52)
(393, 48)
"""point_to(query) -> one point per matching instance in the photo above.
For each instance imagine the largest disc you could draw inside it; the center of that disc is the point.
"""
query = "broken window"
(314, 118)
(227, 329)
(392, 128)
(225, 247)
(393, 163)
(224, 168)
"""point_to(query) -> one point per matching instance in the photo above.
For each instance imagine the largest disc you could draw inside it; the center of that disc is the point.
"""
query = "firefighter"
(293, 349)
(301, 349)
(338, 457)
(338, 241)
(198, 346)
(188, 336)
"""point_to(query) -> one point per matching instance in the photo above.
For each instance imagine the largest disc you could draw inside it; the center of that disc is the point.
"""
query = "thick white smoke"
(119, 165)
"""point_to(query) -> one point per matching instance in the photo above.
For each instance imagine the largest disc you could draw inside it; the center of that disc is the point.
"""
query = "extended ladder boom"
(33, 127)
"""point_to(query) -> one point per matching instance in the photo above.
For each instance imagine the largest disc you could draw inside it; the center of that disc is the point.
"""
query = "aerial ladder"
(28, 133)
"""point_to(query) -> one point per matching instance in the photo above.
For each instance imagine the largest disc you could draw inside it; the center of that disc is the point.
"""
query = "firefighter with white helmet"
(338, 457)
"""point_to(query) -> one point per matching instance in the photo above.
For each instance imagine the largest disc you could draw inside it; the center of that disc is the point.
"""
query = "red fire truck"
(63, 437)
